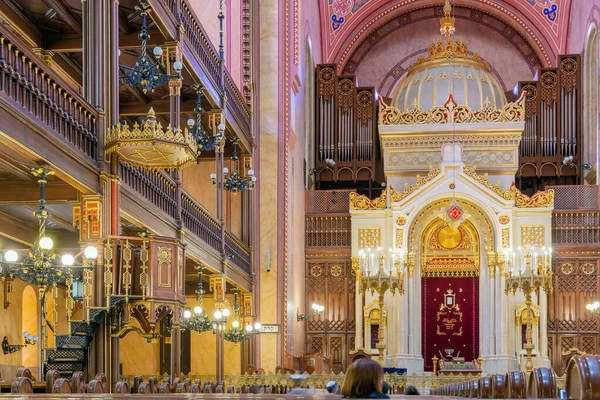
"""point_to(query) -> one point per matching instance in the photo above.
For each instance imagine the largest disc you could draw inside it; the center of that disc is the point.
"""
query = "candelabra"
(145, 72)
(233, 181)
(528, 272)
(377, 275)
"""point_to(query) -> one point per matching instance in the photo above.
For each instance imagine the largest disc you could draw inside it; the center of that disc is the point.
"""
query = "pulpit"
(315, 363)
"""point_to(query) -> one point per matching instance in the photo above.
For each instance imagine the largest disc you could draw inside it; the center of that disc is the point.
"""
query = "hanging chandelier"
(234, 182)
(199, 321)
(42, 266)
(145, 72)
(204, 142)
(237, 333)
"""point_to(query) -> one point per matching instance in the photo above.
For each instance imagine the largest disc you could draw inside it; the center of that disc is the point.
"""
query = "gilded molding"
(396, 195)
(451, 112)
(362, 202)
(540, 199)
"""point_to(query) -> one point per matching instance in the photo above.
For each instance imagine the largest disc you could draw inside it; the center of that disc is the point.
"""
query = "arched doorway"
(450, 292)
(30, 324)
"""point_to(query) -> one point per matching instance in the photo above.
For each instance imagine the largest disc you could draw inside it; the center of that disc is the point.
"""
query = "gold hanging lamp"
(150, 146)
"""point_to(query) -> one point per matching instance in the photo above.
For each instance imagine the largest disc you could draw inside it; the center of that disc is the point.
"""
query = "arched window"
(590, 103)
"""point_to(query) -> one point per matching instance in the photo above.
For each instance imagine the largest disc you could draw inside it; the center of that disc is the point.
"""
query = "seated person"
(411, 390)
(298, 384)
(364, 380)
(332, 387)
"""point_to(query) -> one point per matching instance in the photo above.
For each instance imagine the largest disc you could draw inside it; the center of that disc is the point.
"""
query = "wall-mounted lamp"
(317, 309)
(569, 162)
(13, 348)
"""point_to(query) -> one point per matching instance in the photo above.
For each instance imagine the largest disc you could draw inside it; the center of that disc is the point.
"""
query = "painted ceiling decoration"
(346, 23)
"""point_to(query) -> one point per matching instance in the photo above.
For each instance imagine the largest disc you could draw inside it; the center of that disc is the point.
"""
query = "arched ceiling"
(345, 24)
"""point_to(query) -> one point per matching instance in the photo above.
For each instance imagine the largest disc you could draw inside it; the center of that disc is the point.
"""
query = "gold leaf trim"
(451, 112)
(396, 195)
(362, 202)
(540, 199)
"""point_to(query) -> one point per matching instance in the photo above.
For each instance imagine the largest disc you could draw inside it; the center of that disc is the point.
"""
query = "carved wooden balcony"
(31, 89)
(160, 189)
(204, 59)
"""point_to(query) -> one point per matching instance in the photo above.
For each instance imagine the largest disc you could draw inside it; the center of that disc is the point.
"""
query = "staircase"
(71, 352)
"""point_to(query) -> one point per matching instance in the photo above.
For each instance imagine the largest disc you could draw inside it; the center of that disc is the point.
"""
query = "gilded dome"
(448, 69)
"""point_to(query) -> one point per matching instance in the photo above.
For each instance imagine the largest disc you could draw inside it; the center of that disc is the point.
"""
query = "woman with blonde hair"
(364, 379)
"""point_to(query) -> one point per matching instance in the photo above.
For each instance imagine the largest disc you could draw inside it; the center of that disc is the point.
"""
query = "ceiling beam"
(64, 14)
(26, 194)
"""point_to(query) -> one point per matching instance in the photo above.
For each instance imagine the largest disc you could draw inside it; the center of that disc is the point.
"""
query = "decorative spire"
(447, 22)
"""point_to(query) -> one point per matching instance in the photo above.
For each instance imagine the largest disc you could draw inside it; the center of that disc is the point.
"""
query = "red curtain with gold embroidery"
(450, 318)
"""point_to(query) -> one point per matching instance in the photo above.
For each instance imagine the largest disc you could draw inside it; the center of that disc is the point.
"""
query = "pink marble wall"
(307, 45)
(382, 60)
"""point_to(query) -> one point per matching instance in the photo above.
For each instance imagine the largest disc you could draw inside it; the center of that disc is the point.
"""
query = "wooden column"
(101, 89)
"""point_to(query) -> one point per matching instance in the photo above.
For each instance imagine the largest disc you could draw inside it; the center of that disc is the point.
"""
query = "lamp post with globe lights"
(44, 268)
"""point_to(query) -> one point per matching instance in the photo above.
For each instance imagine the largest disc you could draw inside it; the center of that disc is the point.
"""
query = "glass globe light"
(187, 314)
(46, 243)
(157, 51)
(257, 326)
(218, 314)
(198, 310)
(67, 260)
(191, 122)
(221, 127)
(177, 66)
(11, 256)
(235, 324)
(248, 328)
(226, 312)
(91, 253)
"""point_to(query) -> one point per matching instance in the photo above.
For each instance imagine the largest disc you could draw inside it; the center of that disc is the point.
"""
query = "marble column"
(492, 313)
(543, 343)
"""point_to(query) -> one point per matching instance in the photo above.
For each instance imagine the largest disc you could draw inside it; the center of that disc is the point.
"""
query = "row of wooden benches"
(24, 383)
(583, 383)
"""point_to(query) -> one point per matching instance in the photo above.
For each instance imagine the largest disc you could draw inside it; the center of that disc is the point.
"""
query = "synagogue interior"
(247, 196)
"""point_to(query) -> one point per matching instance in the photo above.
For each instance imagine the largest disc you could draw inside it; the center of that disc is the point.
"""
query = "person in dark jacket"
(364, 379)
(411, 390)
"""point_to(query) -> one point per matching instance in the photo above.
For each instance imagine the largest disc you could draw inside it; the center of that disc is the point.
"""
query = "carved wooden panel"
(570, 324)
(330, 283)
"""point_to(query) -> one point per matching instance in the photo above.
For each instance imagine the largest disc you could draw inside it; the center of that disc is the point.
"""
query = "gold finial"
(447, 22)
(151, 114)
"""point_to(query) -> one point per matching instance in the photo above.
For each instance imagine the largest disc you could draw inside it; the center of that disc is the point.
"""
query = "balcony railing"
(576, 227)
(576, 197)
(328, 230)
(158, 188)
(200, 222)
(27, 82)
(208, 58)
(240, 252)
(328, 201)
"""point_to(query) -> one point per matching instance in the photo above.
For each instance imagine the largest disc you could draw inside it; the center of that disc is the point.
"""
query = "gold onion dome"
(448, 70)
(149, 145)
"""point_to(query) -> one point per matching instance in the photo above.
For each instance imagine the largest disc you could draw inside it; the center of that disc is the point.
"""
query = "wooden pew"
(583, 377)
(542, 384)
(516, 385)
